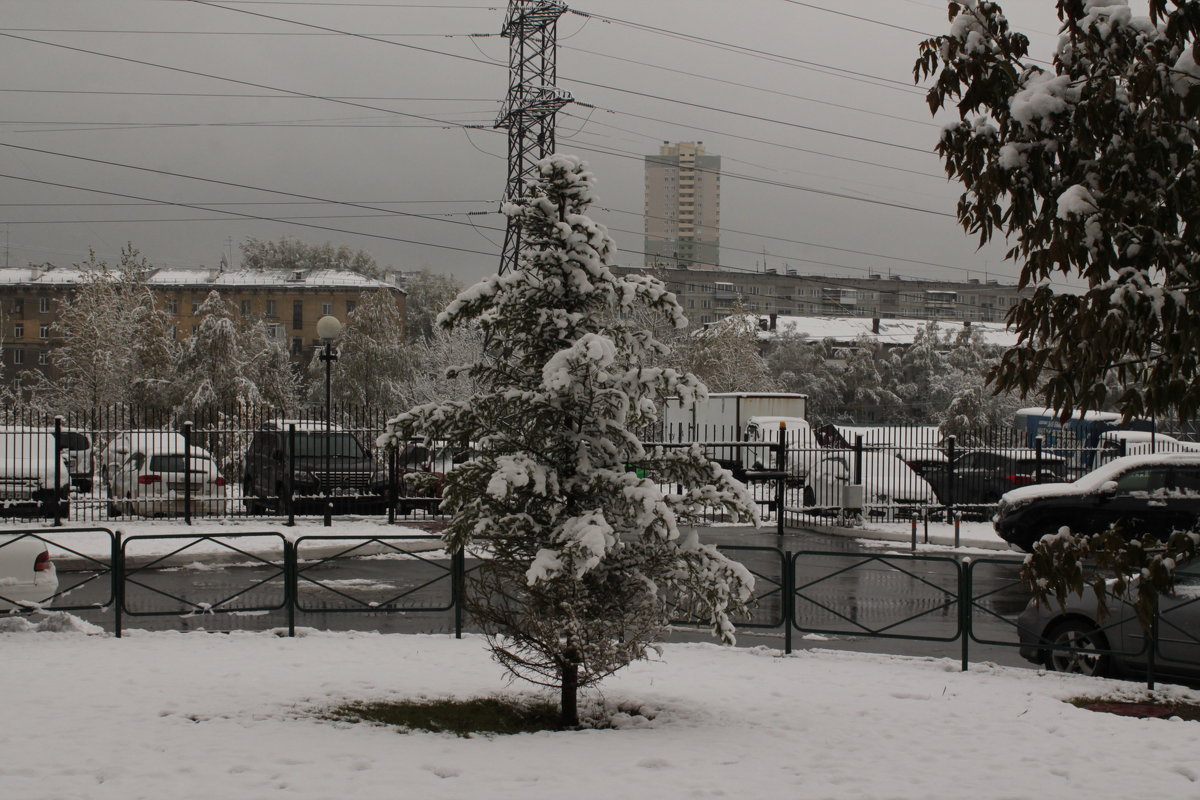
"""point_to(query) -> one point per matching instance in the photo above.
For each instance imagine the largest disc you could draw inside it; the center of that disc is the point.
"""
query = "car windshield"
(173, 462)
(335, 443)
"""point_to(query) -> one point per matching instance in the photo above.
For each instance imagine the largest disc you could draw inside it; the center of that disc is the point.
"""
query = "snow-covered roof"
(201, 277)
(891, 331)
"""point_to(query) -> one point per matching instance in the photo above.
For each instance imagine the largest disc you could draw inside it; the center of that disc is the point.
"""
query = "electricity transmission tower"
(531, 27)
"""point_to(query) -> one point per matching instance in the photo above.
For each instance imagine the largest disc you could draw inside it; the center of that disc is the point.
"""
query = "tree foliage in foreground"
(1089, 168)
(585, 561)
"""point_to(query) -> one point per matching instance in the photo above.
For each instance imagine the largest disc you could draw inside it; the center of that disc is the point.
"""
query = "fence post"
(780, 482)
(291, 476)
(957, 531)
(950, 446)
(1150, 655)
(964, 608)
(187, 473)
(118, 579)
(914, 533)
(789, 600)
(1037, 454)
(458, 577)
(56, 500)
(858, 454)
(392, 489)
(291, 580)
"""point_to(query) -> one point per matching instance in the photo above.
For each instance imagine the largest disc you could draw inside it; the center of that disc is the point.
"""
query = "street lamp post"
(328, 328)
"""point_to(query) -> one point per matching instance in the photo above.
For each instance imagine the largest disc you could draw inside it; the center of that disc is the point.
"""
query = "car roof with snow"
(1093, 480)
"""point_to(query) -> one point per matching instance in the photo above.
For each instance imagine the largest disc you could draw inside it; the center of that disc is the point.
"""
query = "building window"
(297, 344)
(245, 308)
(271, 308)
(44, 357)
(18, 331)
(19, 306)
(174, 331)
(44, 331)
(349, 307)
(195, 308)
(275, 330)
(44, 305)
(326, 308)
(297, 314)
(172, 306)
(195, 329)
(18, 356)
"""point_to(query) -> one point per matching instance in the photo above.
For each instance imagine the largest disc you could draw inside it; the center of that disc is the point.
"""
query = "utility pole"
(531, 26)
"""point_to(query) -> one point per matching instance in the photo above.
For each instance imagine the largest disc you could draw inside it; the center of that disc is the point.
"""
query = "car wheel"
(114, 508)
(248, 497)
(1085, 641)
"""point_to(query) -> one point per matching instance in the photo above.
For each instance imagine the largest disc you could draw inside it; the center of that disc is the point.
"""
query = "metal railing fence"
(921, 598)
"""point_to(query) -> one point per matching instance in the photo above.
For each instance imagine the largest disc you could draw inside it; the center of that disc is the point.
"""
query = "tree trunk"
(569, 704)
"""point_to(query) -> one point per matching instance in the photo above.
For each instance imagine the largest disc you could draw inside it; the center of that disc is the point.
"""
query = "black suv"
(1154, 494)
(333, 461)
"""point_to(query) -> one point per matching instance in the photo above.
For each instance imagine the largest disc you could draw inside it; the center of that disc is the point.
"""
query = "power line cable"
(250, 216)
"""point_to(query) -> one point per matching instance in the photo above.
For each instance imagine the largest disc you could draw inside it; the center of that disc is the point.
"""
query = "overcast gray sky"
(826, 144)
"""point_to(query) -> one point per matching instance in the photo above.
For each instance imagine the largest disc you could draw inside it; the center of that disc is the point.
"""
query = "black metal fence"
(265, 579)
(123, 461)
(842, 473)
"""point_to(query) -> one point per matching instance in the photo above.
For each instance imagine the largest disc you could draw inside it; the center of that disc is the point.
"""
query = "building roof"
(201, 277)
(891, 331)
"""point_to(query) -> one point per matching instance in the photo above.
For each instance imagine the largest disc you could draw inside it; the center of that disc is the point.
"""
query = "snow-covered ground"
(169, 715)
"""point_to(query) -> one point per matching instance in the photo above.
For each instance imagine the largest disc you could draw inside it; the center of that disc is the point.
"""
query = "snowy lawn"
(170, 715)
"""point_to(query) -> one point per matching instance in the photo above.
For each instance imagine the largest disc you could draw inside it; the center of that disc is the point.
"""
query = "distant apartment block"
(683, 207)
(710, 295)
(289, 301)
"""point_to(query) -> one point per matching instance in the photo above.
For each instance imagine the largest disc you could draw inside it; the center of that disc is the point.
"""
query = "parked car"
(1153, 494)
(34, 476)
(979, 477)
(150, 472)
(332, 460)
(27, 575)
(889, 484)
(1114, 444)
(1117, 646)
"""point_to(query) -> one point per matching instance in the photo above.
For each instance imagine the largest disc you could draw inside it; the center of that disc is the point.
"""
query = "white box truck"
(743, 417)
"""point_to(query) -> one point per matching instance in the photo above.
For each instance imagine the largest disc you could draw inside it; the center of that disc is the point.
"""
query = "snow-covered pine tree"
(585, 561)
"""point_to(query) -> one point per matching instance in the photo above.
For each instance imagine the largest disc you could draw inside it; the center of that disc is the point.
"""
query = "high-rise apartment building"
(683, 207)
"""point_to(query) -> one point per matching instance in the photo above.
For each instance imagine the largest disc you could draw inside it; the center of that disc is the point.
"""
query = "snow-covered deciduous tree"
(372, 356)
(428, 295)
(226, 367)
(585, 560)
(726, 355)
(431, 376)
(113, 343)
(1089, 168)
(293, 254)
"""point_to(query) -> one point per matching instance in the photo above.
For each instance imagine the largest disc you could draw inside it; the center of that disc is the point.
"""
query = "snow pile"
(237, 716)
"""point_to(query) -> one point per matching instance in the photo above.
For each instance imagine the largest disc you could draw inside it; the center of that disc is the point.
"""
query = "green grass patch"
(482, 715)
